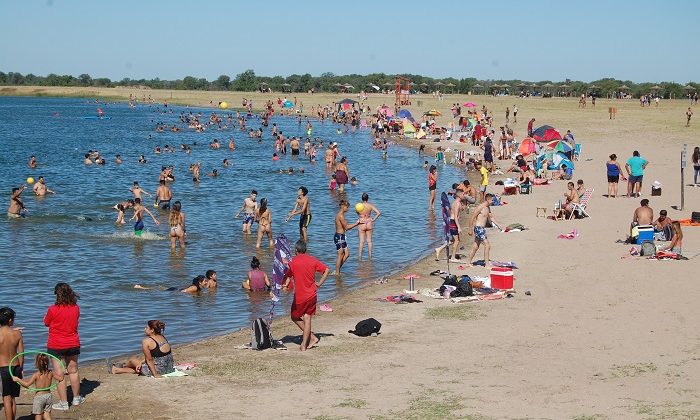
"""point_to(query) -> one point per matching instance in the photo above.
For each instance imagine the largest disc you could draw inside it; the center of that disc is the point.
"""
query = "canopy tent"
(346, 101)
(528, 146)
(538, 133)
(433, 113)
(408, 127)
(469, 104)
(555, 160)
(288, 104)
(404, 113)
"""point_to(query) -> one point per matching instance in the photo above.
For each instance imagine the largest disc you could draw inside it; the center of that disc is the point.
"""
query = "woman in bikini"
(366, 224)
(177, 225)
(264, 223)
(432, 185)
(158, 356)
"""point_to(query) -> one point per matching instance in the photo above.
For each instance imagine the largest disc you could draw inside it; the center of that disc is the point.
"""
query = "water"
(72, 237)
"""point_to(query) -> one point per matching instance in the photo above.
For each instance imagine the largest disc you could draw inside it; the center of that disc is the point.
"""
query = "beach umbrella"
(527, 147)
(560, 146)
(288, 104)
(469, 104)
(433, 113)
(539, 133)
(551, 134)
(280, 265)
(559, 159)
(404, 113)
(471, 122)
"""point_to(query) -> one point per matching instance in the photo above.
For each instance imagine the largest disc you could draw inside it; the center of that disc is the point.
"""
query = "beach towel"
(571, 235)
(688, 222)
(175, 374)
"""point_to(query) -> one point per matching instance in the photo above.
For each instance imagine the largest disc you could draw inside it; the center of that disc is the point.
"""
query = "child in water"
(41, 379)
(120, 214)
(333, 184)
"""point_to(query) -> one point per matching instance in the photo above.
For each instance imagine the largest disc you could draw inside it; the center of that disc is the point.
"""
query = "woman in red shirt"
(64, 341)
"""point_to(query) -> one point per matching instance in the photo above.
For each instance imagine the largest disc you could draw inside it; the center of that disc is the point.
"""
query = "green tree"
(246, 81)
(85, 80)
(222, 83)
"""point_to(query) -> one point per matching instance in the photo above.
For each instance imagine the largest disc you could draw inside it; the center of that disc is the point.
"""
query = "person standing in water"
(342, 174)
(250, 206)
(16, 208)
(176, 220)
(40, 189)
(303, 208)
(341, 244)
(264, 223)
(366, 225)
(138, 216)
(163, 195)
(137, 191)
(432, 185)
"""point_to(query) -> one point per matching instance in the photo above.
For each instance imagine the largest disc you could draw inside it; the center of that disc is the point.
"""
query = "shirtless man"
(294, 145)
(341, 245)
(643, 215)
(477, 227)
(16, 208)
(250, 206)
(138, 216)
(11, 344)
(455, 229)
(470, 193)
(302, 207)
(137, 191)
(231, 144)
(32, 162)
(87, 160)
(40, 189)
(118, 159)
(163, 195)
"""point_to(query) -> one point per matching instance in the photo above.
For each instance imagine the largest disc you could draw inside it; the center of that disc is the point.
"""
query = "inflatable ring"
(53, 385)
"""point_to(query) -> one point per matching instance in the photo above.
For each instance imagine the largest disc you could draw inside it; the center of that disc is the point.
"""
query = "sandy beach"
(602, 335)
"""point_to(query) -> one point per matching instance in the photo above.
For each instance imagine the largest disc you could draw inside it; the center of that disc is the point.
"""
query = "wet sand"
(601, 335)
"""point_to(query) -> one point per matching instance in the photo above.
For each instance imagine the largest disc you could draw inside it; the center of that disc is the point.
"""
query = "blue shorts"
(480, 234)
(249, 218)
(164, 204)
(339, 240)
(138, 226)
(636, 178)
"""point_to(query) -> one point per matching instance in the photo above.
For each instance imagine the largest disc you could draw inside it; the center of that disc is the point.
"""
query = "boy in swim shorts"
(303, 269)
(482, 215)
(341, 244)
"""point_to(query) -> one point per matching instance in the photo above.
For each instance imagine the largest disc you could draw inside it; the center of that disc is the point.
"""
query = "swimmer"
(32, 162)
(87, 160)
(16, 208)
(302, 207)
(257, 280)
(264, 217)
(250, 206)
(163, 195)
(195, 171)
(198, 283)
(137, 191)
(40, 189)
(138, 216)
(366, 225)
(341, 245)
(354, 181)
(120, 214)
(225, 163)
(118, 159)
(214, 173)
(231, 144)
(210, 281)
(176, 221)
(142, 159)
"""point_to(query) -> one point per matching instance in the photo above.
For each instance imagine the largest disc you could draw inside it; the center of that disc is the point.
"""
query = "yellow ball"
(223, 105)
(359, 207)
(30, 180)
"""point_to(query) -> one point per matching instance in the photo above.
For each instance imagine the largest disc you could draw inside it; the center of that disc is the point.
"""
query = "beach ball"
(223, 105)
(30, 180)
(359, 207)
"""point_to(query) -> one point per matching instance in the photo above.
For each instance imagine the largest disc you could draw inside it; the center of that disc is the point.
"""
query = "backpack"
(366, 327)
(648, 249)
(261, 338)
(464, 288)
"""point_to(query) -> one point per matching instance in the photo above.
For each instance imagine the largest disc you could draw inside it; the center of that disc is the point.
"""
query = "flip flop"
(325, 308)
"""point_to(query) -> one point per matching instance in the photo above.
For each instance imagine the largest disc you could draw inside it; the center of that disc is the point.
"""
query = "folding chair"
(581, 206)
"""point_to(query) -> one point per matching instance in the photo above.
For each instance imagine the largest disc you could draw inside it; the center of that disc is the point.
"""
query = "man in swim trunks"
(470, 193)
(163, 195)
(341, 245)
(303, 208)
(138, 216)
(455, 229)
(477, 227)
(303, 269)
(294, 145)
(250, 206)
(10, 345)
(16, 208)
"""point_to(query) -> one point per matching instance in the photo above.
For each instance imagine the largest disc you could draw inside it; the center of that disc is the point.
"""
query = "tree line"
(248, 81)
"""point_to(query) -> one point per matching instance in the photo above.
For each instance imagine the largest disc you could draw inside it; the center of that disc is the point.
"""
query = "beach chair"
(581, 206)
(577, 151)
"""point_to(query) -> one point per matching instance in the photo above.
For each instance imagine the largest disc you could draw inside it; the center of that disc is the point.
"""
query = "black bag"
(695, 217)
(464, 288)
(366, 327)
(450, 280)
(261, 338)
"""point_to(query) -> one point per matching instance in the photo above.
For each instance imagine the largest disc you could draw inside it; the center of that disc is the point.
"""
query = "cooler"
(501, 278)
(646, 233)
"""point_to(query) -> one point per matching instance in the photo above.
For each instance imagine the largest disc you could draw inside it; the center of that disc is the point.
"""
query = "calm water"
(72, 237)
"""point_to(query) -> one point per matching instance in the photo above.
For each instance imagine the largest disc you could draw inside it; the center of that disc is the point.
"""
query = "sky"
(530, 40)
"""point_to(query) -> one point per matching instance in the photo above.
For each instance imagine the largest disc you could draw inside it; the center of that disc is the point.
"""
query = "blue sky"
(530, 40)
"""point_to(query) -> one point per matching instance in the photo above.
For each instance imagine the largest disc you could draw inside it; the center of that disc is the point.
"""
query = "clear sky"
(496, 39)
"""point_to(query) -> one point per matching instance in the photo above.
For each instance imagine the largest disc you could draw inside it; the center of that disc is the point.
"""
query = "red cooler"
(501, 278)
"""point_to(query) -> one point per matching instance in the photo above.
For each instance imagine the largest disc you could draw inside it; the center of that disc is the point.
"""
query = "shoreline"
(595, 339)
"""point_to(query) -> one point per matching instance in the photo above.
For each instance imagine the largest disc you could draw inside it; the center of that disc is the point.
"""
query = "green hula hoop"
(49, 388)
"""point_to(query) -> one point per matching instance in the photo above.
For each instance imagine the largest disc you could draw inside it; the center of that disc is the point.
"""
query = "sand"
(601, 336)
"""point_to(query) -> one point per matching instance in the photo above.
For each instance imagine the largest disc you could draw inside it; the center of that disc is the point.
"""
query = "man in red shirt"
(529, 127)
(303, 269)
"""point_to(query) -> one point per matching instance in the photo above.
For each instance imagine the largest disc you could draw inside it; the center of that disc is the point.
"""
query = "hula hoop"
(49, 388)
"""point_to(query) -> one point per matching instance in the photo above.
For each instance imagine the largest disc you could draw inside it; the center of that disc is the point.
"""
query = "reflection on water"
(71, 236)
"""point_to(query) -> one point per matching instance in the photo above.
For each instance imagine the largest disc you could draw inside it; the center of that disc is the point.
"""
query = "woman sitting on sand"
(257, 280)
(156, 351)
